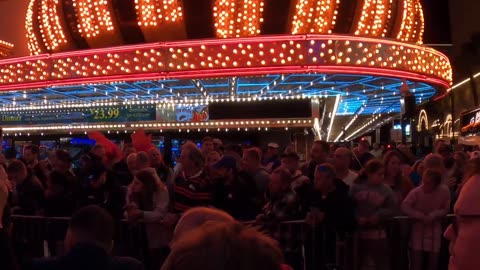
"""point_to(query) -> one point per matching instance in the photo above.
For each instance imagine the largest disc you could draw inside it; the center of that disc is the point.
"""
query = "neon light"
(334, 112)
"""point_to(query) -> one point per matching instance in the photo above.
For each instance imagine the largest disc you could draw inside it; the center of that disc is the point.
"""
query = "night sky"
(437, 22)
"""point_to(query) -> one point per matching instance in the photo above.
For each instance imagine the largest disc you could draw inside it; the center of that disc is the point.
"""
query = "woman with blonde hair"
(147, 200)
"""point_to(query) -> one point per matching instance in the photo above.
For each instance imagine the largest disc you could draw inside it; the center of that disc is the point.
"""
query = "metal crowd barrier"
(304, 246)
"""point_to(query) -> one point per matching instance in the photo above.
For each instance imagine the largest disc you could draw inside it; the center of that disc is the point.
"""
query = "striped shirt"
(191, 192)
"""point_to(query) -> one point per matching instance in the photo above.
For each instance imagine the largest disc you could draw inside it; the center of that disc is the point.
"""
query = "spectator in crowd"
(463, 233)
(290, 161)
(399, 184)
(377, 151)
(212, 158)
(3, 161)
(435, 161)
(328, 205)
(233, 150)
(156, 161)
(460, 160)
(251, 164)
(28, 194)
(445, 151)
(417, 172)
(88, 245)
(143, 164)
(361, 156)
(121, 169)
(207, 146)
(192, 188)
(148, 200)
(195, 217)
(439, 143)
(342, 160)
(100, 151)
(59, 202)
(427, 205)
(30, 157)
(59, 196)
(328, 201)
(224, 245)
(283, 204)
(132, 164)
(318, 155)
(233, 194)
(6, 251)
(98, 189)
(374, 204)
(218, 145)
(271, 158)
(62, 162)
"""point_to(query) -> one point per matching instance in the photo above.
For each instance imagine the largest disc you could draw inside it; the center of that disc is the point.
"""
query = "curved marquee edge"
(230, 57)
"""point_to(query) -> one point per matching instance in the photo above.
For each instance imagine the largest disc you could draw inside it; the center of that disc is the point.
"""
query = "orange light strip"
(32, 41)
(50, 27)
(313, 16)
(237, 18)
(419, 24)
(155, 12)
(408, 21)
(93, 17)
(374, 18)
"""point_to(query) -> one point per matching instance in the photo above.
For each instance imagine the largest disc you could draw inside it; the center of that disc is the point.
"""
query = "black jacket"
(29, 197)
(237, 199)
(111, 197)
(337, 206)
(86, 256)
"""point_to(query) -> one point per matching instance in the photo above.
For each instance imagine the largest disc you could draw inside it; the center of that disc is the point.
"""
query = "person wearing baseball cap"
(290, 161)
(271, 158)
(234, 194)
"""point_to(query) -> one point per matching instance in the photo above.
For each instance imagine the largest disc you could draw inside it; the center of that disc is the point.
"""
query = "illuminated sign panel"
(470, 122)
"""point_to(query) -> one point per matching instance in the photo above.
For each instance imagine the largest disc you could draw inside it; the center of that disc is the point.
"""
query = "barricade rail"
(304, 246)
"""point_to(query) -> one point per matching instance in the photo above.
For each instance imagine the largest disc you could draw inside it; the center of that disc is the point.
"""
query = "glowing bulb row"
(313, 16)
(232, 54)
(263, 123)
(5, 48)
(50, 27)
(155, 12)
(32, 41)
(374, 18)
(94, 17)
(410, 30)
(237, 18)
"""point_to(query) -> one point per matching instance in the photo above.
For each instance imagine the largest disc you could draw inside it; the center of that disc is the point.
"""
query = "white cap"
(273, 145)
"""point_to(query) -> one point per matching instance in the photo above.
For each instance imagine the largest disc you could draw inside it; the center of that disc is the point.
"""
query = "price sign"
(105, 113)
(121, 114)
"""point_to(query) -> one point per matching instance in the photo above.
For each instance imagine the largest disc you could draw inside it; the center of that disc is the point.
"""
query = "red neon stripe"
(235, 72)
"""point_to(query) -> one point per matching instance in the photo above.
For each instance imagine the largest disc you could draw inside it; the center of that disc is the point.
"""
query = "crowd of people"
(341, 189)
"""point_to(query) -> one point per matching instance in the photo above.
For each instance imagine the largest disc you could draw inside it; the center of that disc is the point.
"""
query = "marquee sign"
(470, 122)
